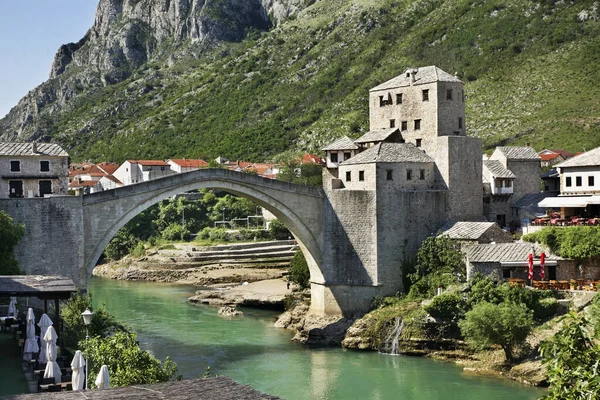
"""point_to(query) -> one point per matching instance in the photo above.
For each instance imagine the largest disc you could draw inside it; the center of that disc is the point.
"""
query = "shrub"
(545, 308)
(505, 324)
(127, 363)
(447, 306)
(139, 250)
(10, 234)
(175, 231)
(120, 245)
(278, 231)
(299, 272)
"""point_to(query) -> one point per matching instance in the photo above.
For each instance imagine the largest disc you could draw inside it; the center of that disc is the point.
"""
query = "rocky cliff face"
(127, 34)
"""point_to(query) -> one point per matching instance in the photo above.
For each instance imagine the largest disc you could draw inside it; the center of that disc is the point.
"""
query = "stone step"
(235, 246)
(230, 256)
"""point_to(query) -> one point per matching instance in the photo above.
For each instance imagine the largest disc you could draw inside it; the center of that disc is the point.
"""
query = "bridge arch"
(300, 208)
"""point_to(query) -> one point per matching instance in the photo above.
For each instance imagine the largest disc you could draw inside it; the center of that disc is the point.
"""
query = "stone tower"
(428, 106)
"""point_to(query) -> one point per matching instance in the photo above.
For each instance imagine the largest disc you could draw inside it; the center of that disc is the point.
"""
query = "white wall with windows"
(579, 180)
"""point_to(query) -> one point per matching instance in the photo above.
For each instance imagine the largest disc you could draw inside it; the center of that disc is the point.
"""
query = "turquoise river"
(251, 351)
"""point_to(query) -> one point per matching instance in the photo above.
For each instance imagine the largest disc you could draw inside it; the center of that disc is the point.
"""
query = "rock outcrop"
(127, 34)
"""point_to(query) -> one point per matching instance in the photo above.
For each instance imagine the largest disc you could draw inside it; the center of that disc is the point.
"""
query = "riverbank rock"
(229, 311)
(357, 337)
(267, 293)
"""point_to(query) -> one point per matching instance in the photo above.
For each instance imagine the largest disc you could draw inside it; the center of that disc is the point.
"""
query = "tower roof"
(390, 153)
(421, 75)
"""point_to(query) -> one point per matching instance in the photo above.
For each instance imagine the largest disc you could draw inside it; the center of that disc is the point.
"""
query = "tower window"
(459, 123)
(422, 174)
(381, 101)
(15, 166)
(448, 94)
(44, 166)
(417, 124)
(348, 176)
(404, 125)
(425, 94)
(334, 157)
(409, 174)
(392, 123)
(347, 155)
(388, 175)
(418, 142)
(590, 181)
(398, 98)
(568, 181)
(361, 175)
(578, 181)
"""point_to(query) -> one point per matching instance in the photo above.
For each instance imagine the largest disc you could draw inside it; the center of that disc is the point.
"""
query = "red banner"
(530, 273)
(542, 266)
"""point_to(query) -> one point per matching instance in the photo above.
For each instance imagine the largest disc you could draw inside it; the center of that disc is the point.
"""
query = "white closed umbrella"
(77, 365)
(44, 323)
(103, 380)
(12, 307)
(31, 344)
(52, 368)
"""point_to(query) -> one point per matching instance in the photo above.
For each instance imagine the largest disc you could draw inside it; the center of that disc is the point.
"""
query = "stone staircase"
(272, 254)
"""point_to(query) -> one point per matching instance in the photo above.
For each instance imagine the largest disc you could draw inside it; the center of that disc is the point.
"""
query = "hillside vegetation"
(529, 67)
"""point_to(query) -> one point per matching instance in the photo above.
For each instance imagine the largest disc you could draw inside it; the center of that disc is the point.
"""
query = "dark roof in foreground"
(217, 388)
(42, 286)
(390, 153)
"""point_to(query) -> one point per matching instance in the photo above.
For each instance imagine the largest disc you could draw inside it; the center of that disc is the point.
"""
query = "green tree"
(73, 327)
(121, 245)
(127, 363)
(439, 263)
(303, 174)
(506, 324)
(10, 234)
(235, 207)
(278, 231)
(572, 360)
(299, 272)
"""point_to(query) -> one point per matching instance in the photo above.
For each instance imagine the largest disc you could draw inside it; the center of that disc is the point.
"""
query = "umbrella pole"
(87, 364)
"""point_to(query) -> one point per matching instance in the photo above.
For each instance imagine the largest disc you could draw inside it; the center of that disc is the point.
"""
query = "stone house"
(33, 170)
(136, 171)
(338, 151)
(502, 261)
(510, 173)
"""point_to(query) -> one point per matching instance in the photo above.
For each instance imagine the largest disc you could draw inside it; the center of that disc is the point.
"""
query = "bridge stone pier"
(67, 235)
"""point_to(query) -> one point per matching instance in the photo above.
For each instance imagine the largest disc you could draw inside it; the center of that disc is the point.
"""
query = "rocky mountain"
(254, 78)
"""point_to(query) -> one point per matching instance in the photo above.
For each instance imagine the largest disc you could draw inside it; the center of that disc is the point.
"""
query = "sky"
(31, 31)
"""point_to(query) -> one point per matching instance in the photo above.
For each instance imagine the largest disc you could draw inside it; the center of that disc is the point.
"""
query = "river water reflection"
(251, 351)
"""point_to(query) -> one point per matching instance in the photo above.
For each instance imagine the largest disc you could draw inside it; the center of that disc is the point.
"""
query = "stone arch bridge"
(66, 235)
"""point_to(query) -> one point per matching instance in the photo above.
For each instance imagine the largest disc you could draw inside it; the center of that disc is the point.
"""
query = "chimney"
(33, 147)
(413, 74)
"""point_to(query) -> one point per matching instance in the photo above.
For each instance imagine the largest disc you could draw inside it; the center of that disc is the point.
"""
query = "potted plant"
(572, 284)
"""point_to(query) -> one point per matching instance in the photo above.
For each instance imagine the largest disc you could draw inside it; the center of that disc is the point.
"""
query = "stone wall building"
(414, 171)
(509, 175)
(33, 170)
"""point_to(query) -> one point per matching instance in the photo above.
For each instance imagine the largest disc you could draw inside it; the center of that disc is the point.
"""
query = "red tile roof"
(150, 163)
(549, 156)
(190, 163)
(311, 159)
(108, 167)
(83, 184)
